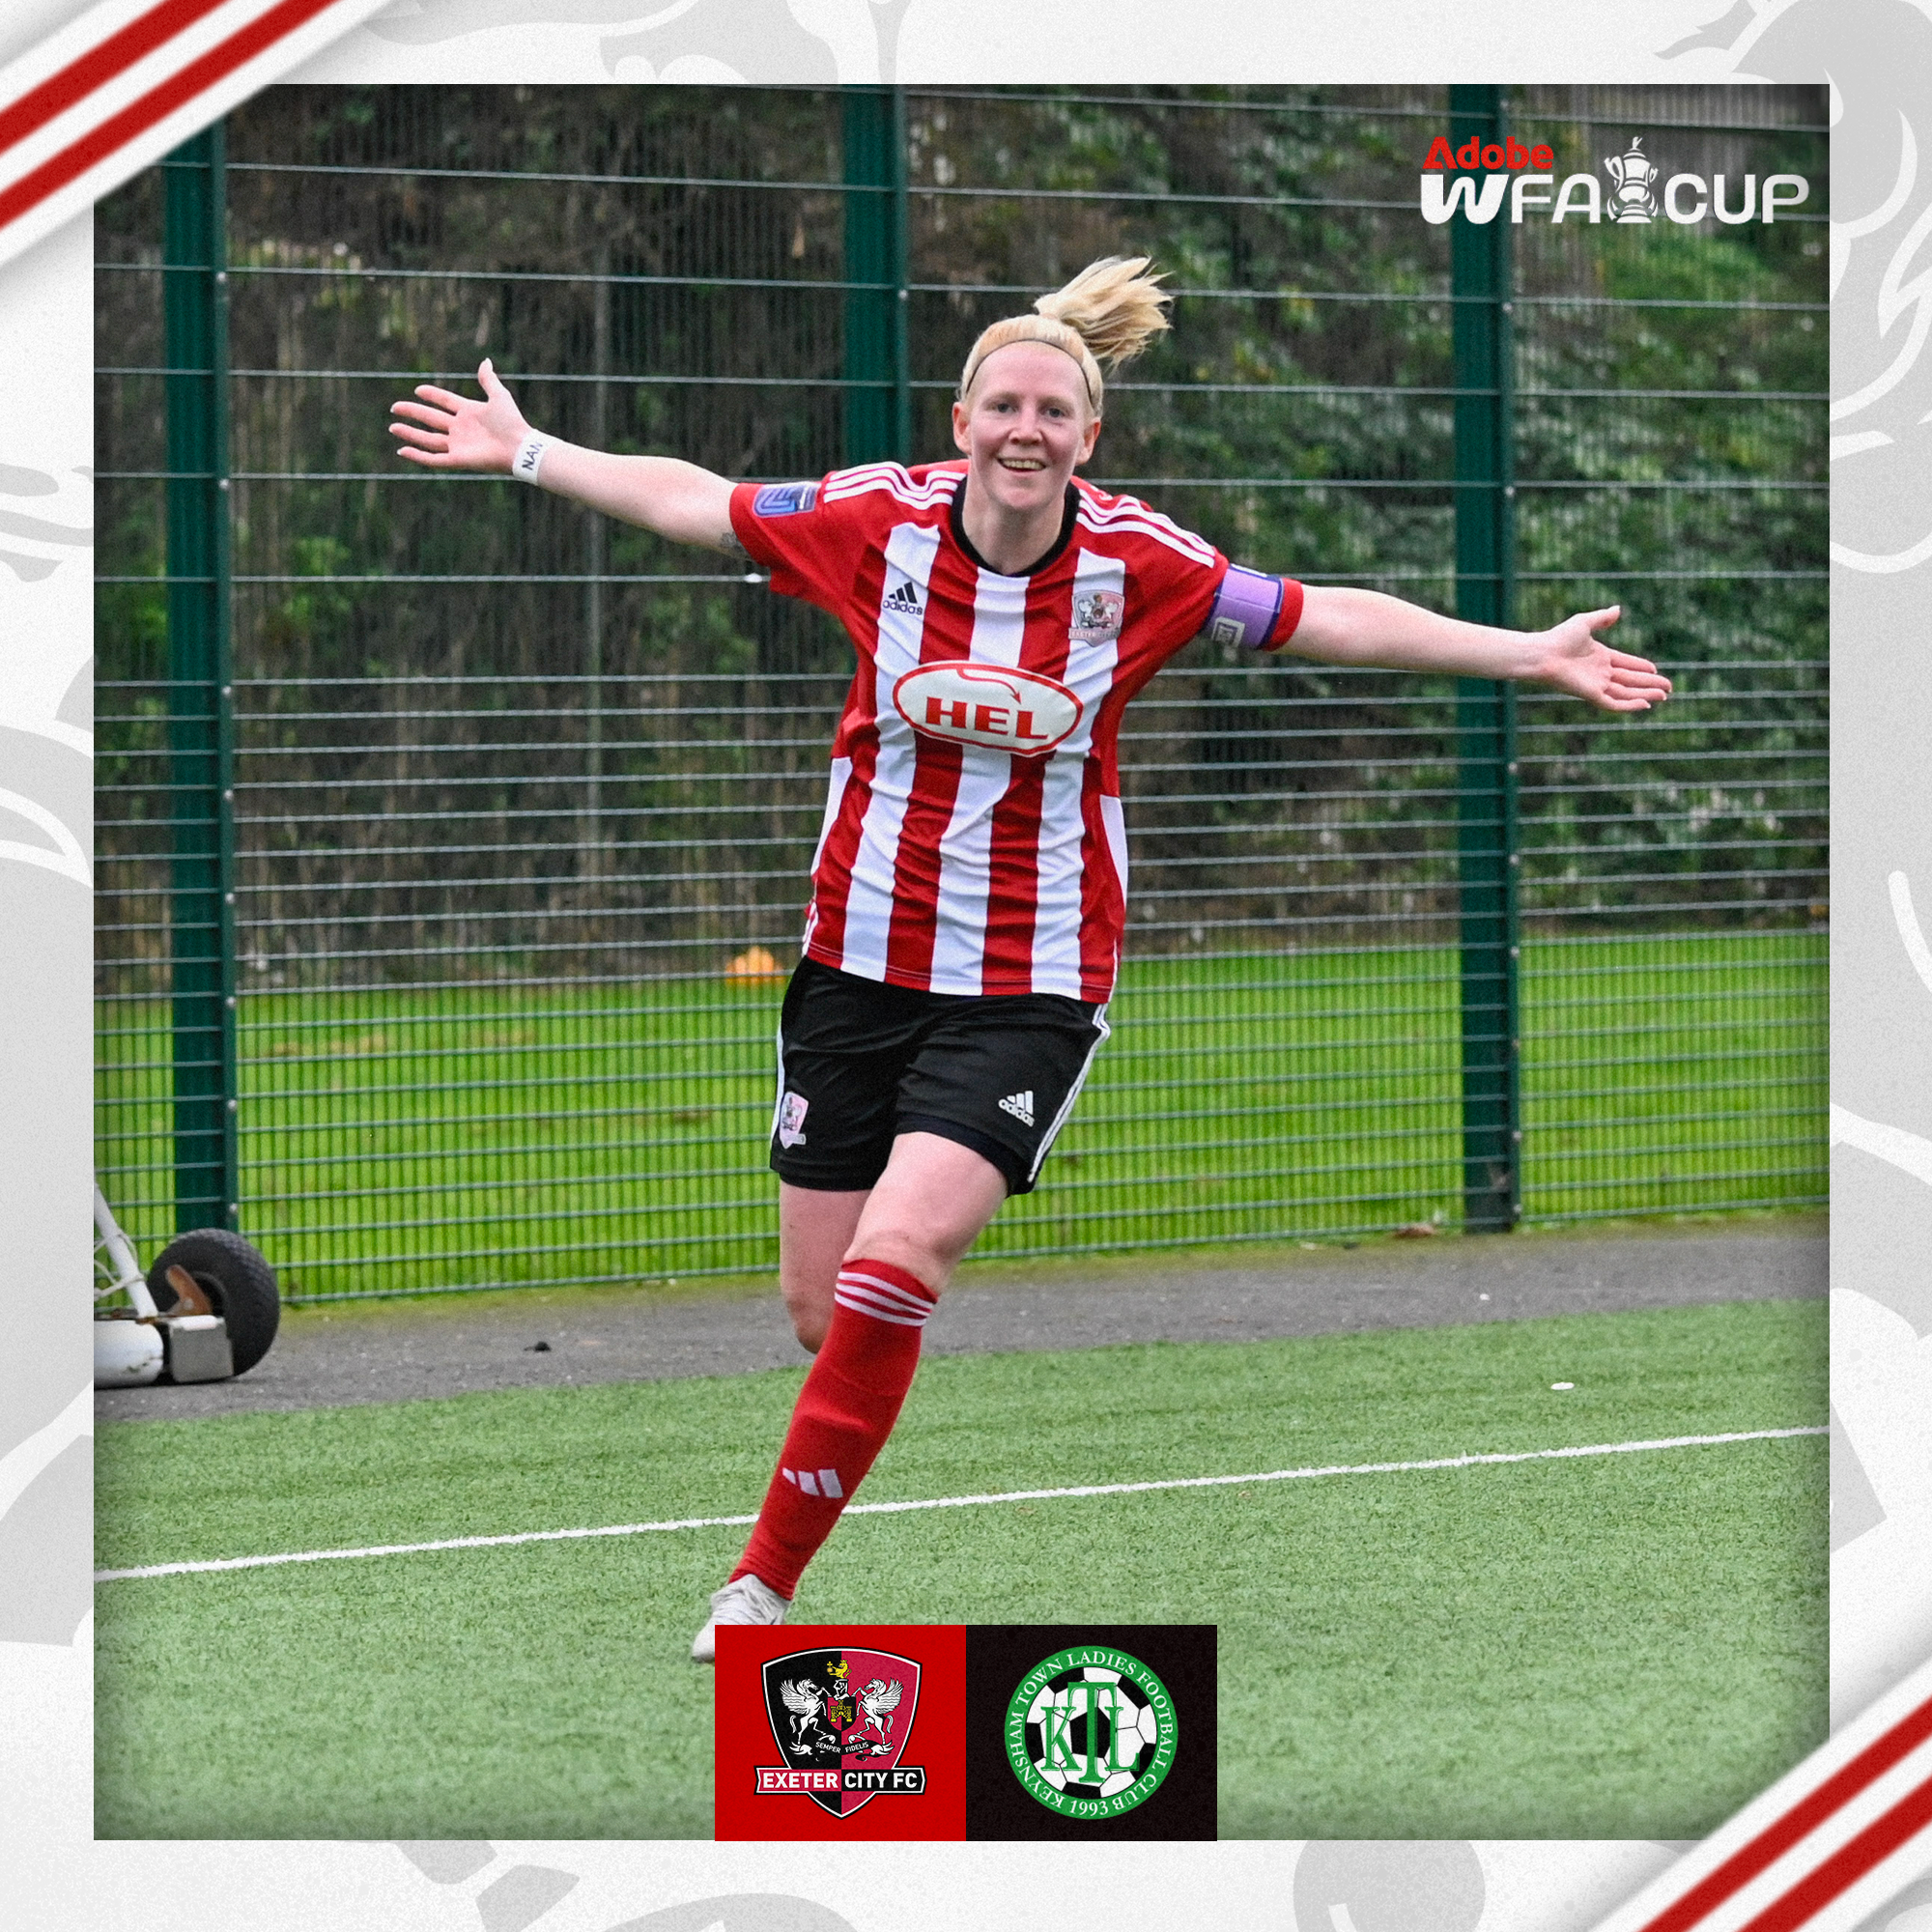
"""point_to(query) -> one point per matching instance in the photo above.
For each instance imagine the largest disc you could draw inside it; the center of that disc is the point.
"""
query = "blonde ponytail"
(1112, 306)
(1108, 313)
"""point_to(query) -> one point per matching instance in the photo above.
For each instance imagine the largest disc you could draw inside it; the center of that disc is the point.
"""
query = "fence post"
(1486, 764)
(596, 565)
(877, 371)
(201, 900)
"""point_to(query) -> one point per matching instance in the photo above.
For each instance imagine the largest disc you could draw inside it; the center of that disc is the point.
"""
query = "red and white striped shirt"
(973, 840)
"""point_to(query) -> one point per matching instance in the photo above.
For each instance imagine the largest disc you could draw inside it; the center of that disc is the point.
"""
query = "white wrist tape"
(529, 456)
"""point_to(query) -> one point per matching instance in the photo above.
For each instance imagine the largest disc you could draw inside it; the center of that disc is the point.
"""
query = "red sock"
(845, 1412)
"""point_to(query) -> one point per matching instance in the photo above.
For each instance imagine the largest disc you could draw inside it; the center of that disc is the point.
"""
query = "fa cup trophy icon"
(1636, 176)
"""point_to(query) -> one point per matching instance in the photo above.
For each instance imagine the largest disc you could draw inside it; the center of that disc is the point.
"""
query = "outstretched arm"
(679, 501)
(1363, 627)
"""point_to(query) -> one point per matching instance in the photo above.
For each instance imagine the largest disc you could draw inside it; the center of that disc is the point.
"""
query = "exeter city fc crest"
(840, 1719)
(1097, 615)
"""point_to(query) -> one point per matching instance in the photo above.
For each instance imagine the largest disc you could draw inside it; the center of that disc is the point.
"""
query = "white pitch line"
(965, 1502)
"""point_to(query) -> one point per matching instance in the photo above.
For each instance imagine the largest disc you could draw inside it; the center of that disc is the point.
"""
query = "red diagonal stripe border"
(1849, 1863)
(1804, 1818)
(157, 104)
(100, 65)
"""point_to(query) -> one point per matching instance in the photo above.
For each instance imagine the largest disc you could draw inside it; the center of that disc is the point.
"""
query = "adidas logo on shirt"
(1019, 1106)
(904, 597)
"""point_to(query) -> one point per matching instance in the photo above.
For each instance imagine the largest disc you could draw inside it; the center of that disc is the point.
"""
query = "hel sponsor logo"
(840, 1722)
(791, 1120)
(1633, 196)
(1018, 711)
(784, 500)
(1097, 615)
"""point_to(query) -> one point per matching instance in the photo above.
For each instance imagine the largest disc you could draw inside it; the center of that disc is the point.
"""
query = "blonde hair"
(1108, 313)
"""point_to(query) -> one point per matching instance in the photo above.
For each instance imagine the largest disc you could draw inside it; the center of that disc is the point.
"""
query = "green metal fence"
(450, 837)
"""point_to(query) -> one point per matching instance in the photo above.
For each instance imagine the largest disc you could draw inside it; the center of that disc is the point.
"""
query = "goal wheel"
(238, 1283)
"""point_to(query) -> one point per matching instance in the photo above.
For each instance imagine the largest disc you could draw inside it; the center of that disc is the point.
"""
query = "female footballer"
(969, 891)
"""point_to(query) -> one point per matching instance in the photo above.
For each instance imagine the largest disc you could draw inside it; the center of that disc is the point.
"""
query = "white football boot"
(748, 1601)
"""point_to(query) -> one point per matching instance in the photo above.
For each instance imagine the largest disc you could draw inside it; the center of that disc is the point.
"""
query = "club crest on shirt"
(1097, 616)
(995, 707)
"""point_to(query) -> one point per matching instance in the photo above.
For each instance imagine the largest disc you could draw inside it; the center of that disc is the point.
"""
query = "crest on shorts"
(1097, 616)
(791, 1120)
(840, 1719)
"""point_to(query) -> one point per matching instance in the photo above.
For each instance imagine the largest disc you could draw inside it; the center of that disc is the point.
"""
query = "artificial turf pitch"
(1616, 1647)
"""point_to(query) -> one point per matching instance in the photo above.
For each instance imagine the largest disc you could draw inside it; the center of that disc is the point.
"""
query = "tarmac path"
(346, 1352)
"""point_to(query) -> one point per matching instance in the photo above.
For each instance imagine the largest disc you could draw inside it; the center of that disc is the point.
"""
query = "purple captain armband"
(1245, 609)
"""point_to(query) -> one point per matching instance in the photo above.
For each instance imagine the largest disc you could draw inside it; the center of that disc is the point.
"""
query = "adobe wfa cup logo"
(840, 1720)
(1484, 180)
(1637, 174)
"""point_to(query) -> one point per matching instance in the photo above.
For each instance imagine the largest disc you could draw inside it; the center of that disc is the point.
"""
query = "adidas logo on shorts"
(1019, 1106)
(904, 598)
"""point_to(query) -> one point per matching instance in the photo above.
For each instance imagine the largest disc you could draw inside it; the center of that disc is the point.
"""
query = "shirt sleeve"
(806, 542)
(1188, 589)
(1175, 578)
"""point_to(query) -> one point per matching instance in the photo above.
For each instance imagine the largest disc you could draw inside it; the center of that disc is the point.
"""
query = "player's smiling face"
(1025, 427)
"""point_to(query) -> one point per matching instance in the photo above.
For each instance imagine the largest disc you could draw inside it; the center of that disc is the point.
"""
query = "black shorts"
(861, 1061)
